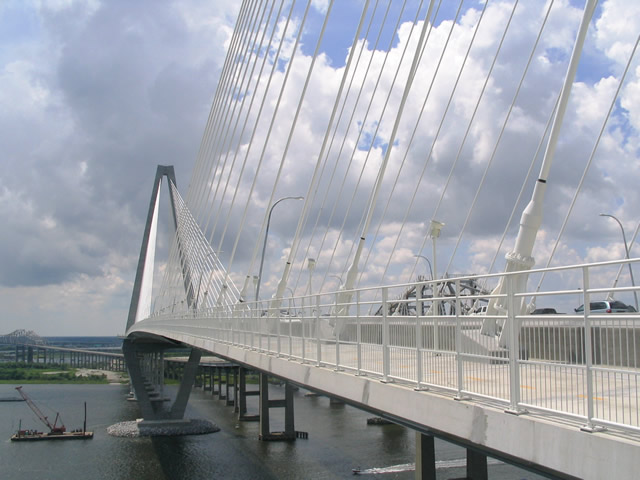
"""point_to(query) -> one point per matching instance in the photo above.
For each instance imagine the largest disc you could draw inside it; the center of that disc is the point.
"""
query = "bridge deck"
(552, 406)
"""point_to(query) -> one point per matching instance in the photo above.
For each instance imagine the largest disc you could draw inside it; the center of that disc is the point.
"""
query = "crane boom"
(53, 428)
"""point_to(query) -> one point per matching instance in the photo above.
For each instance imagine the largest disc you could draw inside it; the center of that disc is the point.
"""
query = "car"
(607, 306)
(544, 311)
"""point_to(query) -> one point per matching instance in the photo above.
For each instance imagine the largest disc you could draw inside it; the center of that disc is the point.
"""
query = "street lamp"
(264, 246)
(434, 232)
(291, 300)
(626, 250)
(430, 269)
(311, 265)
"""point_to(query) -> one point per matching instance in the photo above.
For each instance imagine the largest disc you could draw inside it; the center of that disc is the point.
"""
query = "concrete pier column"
(214, 376)
(425, 457)
(190, 369)
(265, 430)
(227, 385)
(243, 393)
(144, 363)
(222, 395)
(235, 389)
(266, 404)
(289, 424)
(241, 404)
(161, 374)
(476, 465)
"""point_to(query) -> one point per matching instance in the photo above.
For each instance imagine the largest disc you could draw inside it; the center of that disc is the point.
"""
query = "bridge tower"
(145, 359)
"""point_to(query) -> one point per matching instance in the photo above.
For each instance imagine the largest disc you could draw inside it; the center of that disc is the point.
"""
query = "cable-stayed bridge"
(329, 171)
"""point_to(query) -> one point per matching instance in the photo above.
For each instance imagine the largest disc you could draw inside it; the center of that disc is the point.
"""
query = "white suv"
(606, 306)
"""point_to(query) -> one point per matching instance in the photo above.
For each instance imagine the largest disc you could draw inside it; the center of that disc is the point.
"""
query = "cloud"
(92, 98)
(351, 169)
(93, 95)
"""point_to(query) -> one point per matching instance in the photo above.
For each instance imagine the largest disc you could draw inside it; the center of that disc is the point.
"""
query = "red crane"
(52, 428)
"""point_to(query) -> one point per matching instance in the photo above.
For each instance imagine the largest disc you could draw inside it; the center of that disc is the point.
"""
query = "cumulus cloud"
(436, 156)
(93, 95)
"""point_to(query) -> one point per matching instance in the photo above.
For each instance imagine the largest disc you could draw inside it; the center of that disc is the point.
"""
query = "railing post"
(418, 336)
(436, 329)
(290, 337)
(385, 336)
(302, 325)
(318, 345)
(358, 333)
(588, 353)
(459, 366)
(234, 321)
(246, 322)
(278, 333)
(256, 323)
(337, 330)
(268, 327)
(514, 347)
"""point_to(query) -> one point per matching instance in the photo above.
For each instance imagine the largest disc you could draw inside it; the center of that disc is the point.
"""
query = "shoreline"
(81, 378)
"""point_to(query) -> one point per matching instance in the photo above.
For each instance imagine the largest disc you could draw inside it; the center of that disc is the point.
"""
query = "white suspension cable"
(254, 96)
(248, 93)
(220, 108)
(588, 166)
(265, 144)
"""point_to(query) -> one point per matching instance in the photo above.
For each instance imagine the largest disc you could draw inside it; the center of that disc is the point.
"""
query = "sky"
(94, 94)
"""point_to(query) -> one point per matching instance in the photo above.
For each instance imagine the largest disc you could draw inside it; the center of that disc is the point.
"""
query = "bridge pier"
(145, 363)
(425, 457)
(266, 404)
(426, 460)
(242, 394)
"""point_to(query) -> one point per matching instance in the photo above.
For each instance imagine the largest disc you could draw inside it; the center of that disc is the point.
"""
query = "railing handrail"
(586, 347)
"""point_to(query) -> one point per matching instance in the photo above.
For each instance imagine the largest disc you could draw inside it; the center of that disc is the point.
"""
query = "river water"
(339, 440)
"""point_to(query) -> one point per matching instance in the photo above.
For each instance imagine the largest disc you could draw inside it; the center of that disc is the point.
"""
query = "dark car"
(544, 311)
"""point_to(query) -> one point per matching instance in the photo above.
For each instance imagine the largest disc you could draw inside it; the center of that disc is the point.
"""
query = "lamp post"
(264, 246)
(434, 232)
(430, 268)
(626, 251)
(311, 265)
(291, 300)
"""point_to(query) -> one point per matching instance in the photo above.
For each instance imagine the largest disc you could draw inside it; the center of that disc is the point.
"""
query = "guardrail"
(586, 366)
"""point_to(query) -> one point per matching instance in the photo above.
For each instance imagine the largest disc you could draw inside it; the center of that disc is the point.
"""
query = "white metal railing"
(584, 366)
